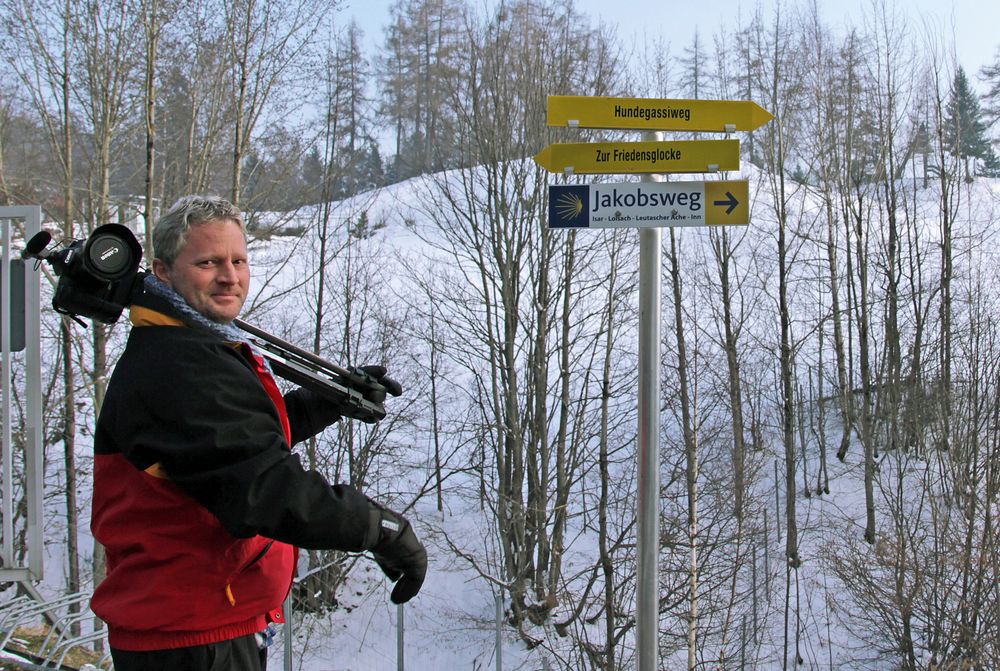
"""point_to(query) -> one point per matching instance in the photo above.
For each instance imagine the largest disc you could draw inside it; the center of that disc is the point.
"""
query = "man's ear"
(162, 272)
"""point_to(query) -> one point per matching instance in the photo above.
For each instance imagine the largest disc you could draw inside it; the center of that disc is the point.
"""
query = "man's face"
(211, 272)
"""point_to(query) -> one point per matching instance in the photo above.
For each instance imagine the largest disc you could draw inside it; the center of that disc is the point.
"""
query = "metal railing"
(59, 640)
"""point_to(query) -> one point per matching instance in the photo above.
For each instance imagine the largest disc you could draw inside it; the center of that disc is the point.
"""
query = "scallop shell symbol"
(569, 206)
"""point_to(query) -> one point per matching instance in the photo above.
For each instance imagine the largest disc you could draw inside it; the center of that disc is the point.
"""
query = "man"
(197, 499)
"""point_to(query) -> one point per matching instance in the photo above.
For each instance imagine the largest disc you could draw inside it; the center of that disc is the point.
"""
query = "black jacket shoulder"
(187, 400)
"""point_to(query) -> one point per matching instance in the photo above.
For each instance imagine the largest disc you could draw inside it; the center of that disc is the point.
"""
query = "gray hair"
(170, 232)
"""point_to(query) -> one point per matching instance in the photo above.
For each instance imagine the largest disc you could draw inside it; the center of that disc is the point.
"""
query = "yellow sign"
(640, 157)
(721, 116)
(727, 203)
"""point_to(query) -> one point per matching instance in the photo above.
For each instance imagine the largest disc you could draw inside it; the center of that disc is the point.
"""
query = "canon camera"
(96, 275)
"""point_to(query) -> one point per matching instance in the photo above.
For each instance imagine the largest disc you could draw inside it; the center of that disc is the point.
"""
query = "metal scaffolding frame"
(31, 216)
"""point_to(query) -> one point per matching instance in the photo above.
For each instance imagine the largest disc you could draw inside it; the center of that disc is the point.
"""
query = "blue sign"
(569, 206)
(649, 204)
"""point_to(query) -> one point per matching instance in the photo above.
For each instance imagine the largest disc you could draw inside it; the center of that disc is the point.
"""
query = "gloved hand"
(398, 553)
(311, 413)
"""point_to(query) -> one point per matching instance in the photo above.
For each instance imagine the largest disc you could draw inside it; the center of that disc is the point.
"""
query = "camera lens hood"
(111, 252)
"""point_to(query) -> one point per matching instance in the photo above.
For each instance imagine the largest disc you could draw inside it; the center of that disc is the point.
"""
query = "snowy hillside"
(401, 290)
(451, 625)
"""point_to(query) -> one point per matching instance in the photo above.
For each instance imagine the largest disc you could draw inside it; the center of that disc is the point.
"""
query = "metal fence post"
(499, 608)
(287, 629)
(399, 637)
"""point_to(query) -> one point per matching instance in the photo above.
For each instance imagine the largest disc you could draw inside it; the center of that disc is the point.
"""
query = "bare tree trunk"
(435, 420)
(867, 421)
(152, 43)
(843, 390)
(561, 512)
(787, 388)
(537, 461)
(265, 37)
(947, 272)
(242, 36)
(69, 454)
(885, 103)
(691, 454)
(69, 377)
(607, 566)
(723, 255)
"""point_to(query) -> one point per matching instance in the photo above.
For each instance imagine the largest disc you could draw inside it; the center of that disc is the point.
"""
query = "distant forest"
(277, 105)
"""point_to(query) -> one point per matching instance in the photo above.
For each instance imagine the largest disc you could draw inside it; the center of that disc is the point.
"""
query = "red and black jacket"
(197, 499)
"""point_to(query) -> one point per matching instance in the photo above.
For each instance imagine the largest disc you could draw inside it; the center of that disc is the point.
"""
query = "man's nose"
(227, 273)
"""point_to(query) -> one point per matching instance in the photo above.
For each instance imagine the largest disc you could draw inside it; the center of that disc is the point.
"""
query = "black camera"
(96, 275)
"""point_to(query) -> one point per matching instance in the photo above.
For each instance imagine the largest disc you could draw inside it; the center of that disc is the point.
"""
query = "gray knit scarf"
(227, 331)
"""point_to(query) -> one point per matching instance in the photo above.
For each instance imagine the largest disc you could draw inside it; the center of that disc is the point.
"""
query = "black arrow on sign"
(732, 202)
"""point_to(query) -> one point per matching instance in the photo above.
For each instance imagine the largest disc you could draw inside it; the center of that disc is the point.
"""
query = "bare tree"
(197, 107)
(690, 451)
(47, 72)
(423, 47)
(488, 218)
(265, 39)
(777, 78)
(153, 20)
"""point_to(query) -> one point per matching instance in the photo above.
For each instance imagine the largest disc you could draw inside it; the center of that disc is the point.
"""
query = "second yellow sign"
(640, 157)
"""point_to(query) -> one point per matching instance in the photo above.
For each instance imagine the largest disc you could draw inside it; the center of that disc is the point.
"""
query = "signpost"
(603, 158)
(647, 582)
(719, 116)
(649, 204)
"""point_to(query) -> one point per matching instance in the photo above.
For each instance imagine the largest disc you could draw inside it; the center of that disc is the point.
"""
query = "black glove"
(310, 413)
(398, 553)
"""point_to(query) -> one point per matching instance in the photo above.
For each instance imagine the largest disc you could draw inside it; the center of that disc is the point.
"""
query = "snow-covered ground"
(452, 623)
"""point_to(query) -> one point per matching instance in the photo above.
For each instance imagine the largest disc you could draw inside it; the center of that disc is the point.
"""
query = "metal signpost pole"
(35, 453)
(648, 519)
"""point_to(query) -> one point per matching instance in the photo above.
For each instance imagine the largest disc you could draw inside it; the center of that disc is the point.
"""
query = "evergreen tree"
(991, 99)
(991, 109)
(312, 175)
(424, 50)
(370, 170)
(991, 165)
(965, 130)
(695, 69)
(339, 164)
